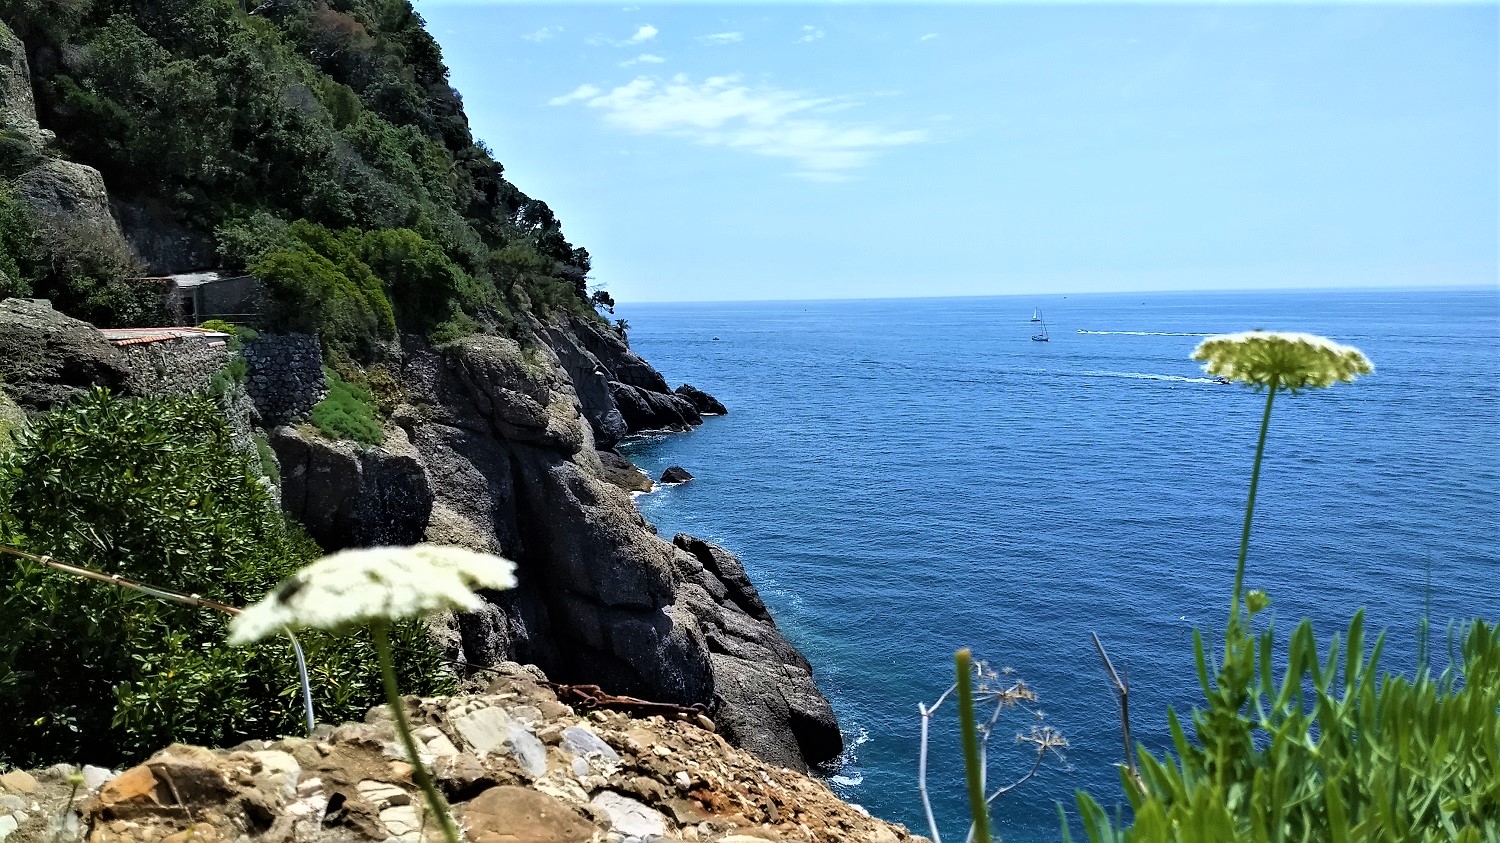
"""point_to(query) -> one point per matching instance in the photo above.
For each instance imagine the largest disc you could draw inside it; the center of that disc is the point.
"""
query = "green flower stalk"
(968, 731)
(1274, 360)
(373, 587)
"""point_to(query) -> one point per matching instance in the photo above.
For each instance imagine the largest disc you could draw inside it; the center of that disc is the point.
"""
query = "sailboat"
(1042, 337)
(1036, 315)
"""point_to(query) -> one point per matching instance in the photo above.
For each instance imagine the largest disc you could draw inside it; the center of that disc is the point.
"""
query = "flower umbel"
(1281, 359)
(354, 587)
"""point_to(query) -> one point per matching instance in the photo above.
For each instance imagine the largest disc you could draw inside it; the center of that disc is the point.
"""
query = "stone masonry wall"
(173, 367)
(286, 376)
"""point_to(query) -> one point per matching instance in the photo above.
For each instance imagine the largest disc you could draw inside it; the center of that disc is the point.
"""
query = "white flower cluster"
(1283, 359)
(353, 587)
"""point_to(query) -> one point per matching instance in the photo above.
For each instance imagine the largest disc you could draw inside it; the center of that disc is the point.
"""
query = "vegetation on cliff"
(153, 489)
(316, 143)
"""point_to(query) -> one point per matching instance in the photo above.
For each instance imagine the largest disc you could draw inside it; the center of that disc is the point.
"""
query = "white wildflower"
(353, 587)
(1291, 360)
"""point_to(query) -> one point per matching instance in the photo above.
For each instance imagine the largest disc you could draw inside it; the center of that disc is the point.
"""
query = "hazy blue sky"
(830, 151)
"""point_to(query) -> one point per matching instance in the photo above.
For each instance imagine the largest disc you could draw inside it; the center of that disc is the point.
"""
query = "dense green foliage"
(1327, 752)
(153, 490)
(348, 411)
(246, 119)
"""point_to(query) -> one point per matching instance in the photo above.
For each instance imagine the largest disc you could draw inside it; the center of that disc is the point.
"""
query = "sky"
(779, 151)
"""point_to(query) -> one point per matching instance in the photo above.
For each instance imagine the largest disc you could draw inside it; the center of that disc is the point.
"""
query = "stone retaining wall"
(173, 367)
(286, 376)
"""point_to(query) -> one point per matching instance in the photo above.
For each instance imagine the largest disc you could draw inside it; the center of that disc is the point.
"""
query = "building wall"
(286, 376)
(173, 367)
(232, 299)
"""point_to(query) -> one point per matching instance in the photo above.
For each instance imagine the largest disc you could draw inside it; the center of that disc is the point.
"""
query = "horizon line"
(1386, 288)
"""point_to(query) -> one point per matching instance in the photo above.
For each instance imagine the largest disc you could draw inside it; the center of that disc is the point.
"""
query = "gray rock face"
(17, 105)
(165, 245)
(499, 454)
(704, 403)
(623, 473)
(790, 720)
(46, 358)
(644, 409)
(620, 393)
(350, 495)
(64, 193)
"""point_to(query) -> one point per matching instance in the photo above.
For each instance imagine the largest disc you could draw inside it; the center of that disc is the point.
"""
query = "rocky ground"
(517, 765)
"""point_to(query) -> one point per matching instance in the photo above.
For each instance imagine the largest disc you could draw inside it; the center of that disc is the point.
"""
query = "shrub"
(17, 245)
(85, 269)
(348, 412)
(154, 490)
(424, 284)
(313, 294)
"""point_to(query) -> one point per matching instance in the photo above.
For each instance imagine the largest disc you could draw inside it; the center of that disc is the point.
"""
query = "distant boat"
(1036, 315)
(1042, 337)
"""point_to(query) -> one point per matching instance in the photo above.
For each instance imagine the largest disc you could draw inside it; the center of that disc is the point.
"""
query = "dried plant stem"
(436, 805)
(1260, 450)
(1122, 691)
(969, 734)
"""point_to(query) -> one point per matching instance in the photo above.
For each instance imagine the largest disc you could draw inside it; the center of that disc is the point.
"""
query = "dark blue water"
(903, 478)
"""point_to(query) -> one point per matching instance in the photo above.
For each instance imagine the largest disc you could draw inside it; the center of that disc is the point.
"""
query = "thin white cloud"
(542, 34)
(810, 33)
(643, 58)
(582, 92)
(642, 35)
(726, 112)
(928, 37)
(720, 38)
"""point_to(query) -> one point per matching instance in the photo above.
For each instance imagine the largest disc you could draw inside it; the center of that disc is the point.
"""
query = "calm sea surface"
(903, 478)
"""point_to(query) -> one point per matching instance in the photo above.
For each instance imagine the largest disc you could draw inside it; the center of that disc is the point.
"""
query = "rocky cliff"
(496, 447)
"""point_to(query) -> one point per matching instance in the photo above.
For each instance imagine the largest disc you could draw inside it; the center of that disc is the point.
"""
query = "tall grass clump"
(1322, 746)
(348, 411)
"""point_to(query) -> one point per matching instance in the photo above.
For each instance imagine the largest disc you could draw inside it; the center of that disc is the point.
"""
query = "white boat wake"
(1144, 376)
(1150, 333)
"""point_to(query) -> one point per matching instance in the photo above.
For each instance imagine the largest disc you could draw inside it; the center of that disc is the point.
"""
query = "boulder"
(675, 474)
(510, 814)
(68, 195)
(704, 403)
(47, 358)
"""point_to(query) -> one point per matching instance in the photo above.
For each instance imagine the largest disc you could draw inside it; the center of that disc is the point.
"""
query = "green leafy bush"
(153, 490)
(18, 249)
(348, 411)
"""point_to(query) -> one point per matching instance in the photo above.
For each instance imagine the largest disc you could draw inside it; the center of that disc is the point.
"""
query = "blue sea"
(906, 477)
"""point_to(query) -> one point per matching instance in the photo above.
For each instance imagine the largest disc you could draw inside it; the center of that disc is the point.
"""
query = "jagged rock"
(791, 720)
(644, 409)
(352, 495)
(705, 404)
(47, 358)
(623, 473)
(675, 474)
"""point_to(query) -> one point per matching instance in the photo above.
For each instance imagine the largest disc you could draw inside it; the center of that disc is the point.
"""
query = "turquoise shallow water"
(902, 478)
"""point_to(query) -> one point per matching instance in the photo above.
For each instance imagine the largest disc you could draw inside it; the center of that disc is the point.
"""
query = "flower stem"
(969, 734)
(1260, 450)
(435, 802)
